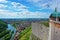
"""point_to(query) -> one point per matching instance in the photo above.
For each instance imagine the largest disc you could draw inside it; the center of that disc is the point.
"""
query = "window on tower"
(59, 19)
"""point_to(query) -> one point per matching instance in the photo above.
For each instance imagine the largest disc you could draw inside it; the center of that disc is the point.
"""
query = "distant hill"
(25, 19)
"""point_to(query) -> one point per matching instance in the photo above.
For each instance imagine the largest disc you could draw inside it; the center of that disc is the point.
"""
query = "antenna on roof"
(56, 6)
(56, 9)
(56, 14)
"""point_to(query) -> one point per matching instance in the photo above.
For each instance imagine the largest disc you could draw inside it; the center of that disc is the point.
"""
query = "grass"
(46, 23)
(14, 25)
(25, 34)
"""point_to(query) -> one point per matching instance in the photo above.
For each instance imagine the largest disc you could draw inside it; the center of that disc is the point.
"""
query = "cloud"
(45, 4)
(7, 14)
(25, 14)
(13, 6)
(38, 3)
(34, 1)
(3, 1)
(18, 5)
(17, 10)
(53, 4)
(2, 6)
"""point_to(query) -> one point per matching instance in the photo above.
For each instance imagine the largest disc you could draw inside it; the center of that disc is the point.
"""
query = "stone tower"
(54, 33)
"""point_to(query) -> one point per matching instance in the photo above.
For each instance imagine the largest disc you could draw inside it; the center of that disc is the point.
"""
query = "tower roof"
(55, 14)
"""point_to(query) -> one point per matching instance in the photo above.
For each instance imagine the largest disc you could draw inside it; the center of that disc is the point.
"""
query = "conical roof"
(55, 13)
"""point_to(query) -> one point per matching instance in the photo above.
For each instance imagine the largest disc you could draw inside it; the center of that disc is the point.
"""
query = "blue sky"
(27, 8)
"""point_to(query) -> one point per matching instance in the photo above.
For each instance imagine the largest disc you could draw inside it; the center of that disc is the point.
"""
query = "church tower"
(54, 23)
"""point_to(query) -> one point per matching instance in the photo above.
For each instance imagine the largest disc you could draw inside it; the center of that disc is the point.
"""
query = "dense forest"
(4, 33)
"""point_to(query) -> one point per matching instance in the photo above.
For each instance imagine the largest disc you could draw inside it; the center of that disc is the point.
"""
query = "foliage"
(25, 34)
(3, 26)
(22, 33)
(4, 33)
(3, 23)
(8, 36)
(46, 23)
(14, 25)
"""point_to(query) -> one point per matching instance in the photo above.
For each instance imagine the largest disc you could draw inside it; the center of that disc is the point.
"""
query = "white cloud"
(17, 5)
(34, 1)
(55, 3)
(24, 14)
(2, 6)
(38, 3)
(32, 15)
(14, 4)
(45, 3)
(7, 14)
(4, 1)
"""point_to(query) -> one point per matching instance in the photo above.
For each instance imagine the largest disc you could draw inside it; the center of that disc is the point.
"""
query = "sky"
(28, 8)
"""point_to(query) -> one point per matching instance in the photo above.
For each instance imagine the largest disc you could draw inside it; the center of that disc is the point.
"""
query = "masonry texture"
(40, 31)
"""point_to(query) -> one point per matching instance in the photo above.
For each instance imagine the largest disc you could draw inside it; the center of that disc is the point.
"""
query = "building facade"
(54, 33)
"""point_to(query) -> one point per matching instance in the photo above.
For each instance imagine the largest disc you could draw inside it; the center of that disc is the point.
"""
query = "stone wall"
(40, 31)
(54, 33)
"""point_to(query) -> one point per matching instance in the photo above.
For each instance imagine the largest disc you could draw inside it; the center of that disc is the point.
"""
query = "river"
(10, 27)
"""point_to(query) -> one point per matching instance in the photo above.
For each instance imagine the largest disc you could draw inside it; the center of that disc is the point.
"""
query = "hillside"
(4, 33)
(25, 34)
